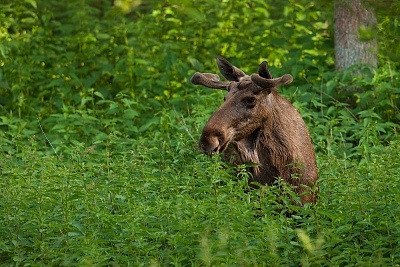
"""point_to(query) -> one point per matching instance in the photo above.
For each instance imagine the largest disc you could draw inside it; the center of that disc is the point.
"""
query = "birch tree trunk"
(350, 17)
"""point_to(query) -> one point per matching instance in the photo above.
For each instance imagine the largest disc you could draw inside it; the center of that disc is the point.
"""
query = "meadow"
(160, 203)
(99, 130)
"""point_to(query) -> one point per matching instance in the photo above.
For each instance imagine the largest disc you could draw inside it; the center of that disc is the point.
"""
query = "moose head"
(246, 105)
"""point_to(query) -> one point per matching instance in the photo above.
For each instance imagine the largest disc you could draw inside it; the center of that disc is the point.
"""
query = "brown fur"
(262, 127)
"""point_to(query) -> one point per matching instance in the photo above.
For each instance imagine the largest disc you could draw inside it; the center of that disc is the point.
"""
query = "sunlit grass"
(144, 207)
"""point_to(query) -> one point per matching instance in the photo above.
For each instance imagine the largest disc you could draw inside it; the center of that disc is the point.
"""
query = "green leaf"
(32, 3)
(97, 93)
(130, 114)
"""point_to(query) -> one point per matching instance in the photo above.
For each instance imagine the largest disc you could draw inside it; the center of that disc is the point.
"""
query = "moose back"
(255, 124)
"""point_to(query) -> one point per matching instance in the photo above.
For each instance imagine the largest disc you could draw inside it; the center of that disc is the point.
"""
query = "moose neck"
(268, 145)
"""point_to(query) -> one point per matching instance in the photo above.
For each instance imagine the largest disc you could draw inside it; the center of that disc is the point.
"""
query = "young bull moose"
(262, 127)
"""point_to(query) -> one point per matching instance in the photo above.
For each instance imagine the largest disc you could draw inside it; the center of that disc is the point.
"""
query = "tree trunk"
(351, 16)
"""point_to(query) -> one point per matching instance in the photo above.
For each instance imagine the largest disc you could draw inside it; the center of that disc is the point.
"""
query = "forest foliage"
(86, 70)
(99, 127)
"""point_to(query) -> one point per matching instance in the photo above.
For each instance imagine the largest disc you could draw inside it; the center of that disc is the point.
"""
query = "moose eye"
(249, 102)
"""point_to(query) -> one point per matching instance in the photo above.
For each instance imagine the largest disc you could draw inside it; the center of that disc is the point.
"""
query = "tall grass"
(162, 204)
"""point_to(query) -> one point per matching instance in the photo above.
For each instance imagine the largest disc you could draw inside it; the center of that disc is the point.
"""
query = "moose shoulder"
(262, 127)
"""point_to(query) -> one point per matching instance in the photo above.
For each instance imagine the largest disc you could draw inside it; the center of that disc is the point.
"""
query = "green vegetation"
(99, 129)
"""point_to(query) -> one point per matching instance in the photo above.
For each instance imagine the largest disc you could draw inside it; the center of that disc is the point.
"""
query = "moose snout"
(209, 144)
(214, 140)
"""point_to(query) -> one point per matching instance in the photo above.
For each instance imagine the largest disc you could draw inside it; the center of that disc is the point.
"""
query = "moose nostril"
(209, 144)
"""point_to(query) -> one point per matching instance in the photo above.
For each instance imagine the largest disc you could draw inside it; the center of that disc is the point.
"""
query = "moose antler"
(269, 83)
(209, 80)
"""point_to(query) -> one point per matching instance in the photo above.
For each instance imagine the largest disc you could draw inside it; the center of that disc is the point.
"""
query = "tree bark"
(350, 17)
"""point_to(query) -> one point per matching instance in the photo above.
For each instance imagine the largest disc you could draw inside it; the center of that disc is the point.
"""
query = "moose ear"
(263, 70)
(229, 71)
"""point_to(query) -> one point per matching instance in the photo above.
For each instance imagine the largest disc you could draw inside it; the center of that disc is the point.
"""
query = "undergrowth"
(161, 203)
(99, 128)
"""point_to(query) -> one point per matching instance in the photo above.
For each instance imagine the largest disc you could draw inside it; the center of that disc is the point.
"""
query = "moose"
(255, 124)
